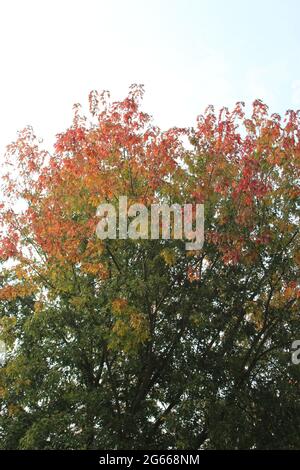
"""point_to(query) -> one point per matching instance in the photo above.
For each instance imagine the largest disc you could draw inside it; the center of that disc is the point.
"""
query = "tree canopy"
(132, 344)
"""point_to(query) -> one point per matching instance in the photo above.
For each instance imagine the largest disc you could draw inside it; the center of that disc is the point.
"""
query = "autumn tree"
(134, 344)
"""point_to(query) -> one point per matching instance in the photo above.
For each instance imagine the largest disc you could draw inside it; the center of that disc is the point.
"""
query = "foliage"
(137, 343)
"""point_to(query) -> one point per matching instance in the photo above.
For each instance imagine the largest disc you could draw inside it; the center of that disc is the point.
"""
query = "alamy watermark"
(2, 352)
(296, 352)
(164, 222)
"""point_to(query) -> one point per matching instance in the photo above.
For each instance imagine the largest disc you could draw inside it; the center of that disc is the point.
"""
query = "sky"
(187, 53)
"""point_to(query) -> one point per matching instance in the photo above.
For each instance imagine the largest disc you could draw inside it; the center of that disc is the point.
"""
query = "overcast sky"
(188, 53)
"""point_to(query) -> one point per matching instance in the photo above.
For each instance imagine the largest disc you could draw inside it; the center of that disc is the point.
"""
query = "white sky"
(188, 53)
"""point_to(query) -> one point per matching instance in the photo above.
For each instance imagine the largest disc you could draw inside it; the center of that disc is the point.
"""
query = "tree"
(134, 344)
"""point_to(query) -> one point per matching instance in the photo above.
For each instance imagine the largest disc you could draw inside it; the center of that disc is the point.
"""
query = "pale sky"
(187, 53)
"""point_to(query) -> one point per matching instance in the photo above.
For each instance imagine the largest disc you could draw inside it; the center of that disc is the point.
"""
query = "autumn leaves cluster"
(245, 170)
